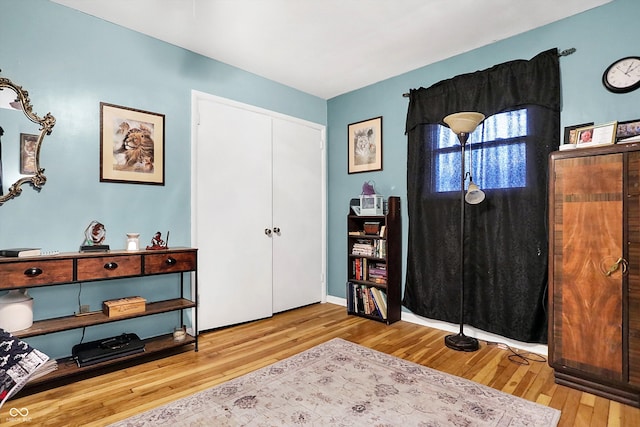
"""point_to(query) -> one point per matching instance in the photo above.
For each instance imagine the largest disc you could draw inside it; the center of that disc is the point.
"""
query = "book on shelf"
(19, 252)
(381, 301)
(363, 299)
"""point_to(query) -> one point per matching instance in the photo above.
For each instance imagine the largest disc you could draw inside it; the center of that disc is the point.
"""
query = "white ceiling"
(330, 47)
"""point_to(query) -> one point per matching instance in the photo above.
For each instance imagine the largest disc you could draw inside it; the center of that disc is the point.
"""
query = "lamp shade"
(474, 194)
(463, 122)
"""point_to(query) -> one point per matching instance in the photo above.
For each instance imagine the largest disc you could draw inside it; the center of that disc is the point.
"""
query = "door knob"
(267, 231)
(276, 230)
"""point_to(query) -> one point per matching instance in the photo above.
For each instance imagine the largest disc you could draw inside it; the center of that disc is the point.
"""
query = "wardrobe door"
(587, 305)
(233, 212)
(633, 264)
(297, 215)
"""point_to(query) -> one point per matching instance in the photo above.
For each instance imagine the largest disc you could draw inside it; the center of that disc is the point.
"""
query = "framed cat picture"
(131, 145)
(365, 145)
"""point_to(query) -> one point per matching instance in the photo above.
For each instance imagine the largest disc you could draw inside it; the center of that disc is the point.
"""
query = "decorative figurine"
(158, 243)
(94, 236)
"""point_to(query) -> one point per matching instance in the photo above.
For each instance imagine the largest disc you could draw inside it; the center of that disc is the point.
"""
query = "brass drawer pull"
(33, 272)
(171, 261)
(616, 265)
(111, 266)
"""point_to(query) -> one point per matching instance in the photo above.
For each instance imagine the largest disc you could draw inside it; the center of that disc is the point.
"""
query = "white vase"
(16, 310)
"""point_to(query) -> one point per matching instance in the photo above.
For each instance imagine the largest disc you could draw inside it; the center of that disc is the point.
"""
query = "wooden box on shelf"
(122, 306)
(374, 262)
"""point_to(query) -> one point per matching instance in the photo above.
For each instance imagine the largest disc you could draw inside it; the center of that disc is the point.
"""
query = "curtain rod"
(565, 52)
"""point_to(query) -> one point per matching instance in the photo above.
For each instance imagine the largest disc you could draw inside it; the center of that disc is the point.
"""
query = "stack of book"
(377, 273)
(373, 248)
(19, 252)
(363, 247)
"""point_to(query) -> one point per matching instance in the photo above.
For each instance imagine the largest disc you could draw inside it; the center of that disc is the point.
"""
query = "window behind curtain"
(499, 141)
(506, 254)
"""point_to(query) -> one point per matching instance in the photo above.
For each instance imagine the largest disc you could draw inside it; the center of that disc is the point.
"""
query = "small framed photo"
(28, 148)
(131, 145)
(570, 134)
(593, 136)
(628, 131)
(365, 145)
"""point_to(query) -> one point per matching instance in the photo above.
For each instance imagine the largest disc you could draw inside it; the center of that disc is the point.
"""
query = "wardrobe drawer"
(109, 267)
(35, 272)
(173, 262)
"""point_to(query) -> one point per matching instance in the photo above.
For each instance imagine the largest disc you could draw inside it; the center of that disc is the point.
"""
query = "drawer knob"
(111, 266)
(171, 261)
(33, 272)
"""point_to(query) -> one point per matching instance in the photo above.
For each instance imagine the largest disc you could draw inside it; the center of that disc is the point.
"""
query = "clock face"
(623, 75)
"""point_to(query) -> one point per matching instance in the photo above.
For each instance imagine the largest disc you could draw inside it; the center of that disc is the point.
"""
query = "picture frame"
(131, 145)
(597, 135)
(364, 145)
(28, 153)
(628, 131)
(570, 134)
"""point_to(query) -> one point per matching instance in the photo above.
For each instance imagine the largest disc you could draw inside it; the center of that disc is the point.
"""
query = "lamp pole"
(462, 124)
(461, 342)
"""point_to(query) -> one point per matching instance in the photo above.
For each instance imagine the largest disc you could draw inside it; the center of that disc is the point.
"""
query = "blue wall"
(600, 36)
(70, 62)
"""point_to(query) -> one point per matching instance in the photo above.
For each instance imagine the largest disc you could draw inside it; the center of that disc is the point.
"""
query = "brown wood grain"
(588, 240)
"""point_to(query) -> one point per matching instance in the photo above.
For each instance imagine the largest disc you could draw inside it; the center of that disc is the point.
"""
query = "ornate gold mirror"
(20, 141)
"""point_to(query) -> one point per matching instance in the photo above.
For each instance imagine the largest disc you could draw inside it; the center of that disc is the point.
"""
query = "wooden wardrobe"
(594, 286)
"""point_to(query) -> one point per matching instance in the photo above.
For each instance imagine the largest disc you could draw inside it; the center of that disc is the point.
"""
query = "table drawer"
(173, 262)
(34, 273)
(109, 267)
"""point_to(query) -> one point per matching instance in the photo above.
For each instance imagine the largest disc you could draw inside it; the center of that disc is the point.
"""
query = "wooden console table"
(76, 267)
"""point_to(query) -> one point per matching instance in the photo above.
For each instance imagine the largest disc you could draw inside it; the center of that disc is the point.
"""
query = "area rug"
(339, 383)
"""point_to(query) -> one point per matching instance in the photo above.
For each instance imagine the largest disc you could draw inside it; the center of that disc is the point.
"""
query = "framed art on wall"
(28, 145)
(365, 145)
(131, 145)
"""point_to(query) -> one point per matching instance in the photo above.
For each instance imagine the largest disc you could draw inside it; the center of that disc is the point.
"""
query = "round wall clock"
(623, 75)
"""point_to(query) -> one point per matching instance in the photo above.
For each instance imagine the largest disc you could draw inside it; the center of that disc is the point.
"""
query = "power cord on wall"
(523, 358)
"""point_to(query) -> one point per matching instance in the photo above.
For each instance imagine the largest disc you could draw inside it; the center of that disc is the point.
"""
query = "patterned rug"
(339, 383)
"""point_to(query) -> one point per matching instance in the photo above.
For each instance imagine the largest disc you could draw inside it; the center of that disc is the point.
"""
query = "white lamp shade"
(474, 194)
(464, 122)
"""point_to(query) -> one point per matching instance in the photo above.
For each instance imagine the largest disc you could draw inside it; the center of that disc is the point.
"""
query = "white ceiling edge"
(330, 47)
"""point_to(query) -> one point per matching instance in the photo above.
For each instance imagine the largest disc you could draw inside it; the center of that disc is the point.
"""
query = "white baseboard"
(468, 330)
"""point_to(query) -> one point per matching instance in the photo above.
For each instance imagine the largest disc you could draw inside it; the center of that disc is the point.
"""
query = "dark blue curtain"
(506, 235)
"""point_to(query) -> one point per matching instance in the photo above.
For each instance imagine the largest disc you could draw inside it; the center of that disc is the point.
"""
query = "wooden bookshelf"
(374, 262)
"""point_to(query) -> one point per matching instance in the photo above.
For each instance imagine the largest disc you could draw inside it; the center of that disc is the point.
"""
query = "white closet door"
(298, 214)
(232, 208)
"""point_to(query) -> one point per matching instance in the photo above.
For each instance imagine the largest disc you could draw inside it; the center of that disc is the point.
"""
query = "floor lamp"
(462, 124)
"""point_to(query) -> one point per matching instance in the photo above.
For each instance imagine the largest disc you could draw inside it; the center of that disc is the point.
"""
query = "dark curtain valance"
(506, 253)
(499, 88)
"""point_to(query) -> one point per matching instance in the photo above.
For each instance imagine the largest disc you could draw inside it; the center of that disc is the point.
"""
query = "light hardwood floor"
(227, 353)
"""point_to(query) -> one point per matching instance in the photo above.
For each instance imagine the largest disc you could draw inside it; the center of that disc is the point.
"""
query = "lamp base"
(461, 342)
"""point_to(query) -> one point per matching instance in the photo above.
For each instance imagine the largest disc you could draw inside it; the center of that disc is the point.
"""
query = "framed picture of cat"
(131, 145)
(365, 145)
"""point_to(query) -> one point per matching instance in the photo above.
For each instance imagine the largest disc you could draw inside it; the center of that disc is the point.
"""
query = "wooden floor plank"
(230, 352)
